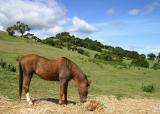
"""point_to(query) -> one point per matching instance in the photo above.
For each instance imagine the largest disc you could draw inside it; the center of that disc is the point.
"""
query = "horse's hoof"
(62, 103)
(30, 103)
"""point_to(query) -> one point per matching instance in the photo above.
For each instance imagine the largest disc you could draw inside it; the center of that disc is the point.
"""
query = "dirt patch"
(97, 105)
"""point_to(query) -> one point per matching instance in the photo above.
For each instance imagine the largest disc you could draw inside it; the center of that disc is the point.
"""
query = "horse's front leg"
(63, 92)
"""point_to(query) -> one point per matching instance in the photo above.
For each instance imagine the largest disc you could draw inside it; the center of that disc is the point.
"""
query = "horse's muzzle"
(83, 100)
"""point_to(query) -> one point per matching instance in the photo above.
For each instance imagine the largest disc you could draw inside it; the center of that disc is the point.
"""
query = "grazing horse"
(61, 69)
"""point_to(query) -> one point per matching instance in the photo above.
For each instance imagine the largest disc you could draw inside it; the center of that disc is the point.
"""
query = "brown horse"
(61, 69)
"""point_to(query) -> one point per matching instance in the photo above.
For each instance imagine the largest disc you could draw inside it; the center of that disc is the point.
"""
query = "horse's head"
(83, 90)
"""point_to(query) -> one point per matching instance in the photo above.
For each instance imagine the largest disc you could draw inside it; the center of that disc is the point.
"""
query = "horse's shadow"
(53, 100)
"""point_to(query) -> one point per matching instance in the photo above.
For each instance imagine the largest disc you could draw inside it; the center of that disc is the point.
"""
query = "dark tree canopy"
(140, 63)
(19, 27)
(11, 31)
(22, 28)
(151, 56)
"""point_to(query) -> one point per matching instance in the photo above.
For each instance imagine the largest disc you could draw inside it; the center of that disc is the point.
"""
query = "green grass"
(106, 80)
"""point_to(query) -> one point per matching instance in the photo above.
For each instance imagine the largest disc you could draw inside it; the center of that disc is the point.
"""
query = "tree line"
(74, 43)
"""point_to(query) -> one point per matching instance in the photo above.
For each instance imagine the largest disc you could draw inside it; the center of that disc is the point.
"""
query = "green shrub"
(86, 53)
(8, 67)
(148, 88)
(83, 52)
(80, 51)
(140, 63)
(106, 57)
(74, 48)
(156, 66)
(58, 46)
(3, 63)
(11, 68)
(71, 47)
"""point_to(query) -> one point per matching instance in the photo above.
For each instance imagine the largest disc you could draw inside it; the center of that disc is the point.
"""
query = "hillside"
(106, 79)
(125, 84)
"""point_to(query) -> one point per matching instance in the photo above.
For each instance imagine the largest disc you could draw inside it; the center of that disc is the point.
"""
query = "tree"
(29, 35)
(64, 36)
(21, 27)
(132, 54)
(142, 56)
(151, 56)
(93, 45)
(32, 37)
(11, 31)
(140, 63)
(156, 66)
(119, 52)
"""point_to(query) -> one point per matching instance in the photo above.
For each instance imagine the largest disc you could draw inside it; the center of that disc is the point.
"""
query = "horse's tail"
(20, 80)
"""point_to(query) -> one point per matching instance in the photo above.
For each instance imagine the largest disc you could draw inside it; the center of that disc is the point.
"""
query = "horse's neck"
(80, 79)
(78, 75)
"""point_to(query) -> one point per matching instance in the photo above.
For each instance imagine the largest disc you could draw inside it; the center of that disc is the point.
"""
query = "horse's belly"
(48, 76)
(47, 71)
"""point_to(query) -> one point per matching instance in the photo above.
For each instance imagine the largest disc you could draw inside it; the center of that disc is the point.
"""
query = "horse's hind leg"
(27, 80)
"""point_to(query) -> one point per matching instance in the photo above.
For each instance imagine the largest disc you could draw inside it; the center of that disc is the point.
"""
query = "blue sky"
(131, 24)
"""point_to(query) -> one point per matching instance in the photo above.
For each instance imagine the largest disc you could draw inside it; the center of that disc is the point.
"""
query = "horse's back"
(29, 62)
(29, 59)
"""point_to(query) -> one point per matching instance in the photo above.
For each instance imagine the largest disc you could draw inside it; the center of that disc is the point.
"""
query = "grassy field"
(106, 79)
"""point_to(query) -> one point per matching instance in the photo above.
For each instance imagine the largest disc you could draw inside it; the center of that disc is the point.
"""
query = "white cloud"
(47, 32)
(41, 15)
(134, 12)
(81, 26)
(146, 9)
(151, 7)
(146, 51)
(1, 28)
(110, 11)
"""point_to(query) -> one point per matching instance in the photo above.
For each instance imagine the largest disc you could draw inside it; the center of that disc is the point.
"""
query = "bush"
(156, 66)
(148, 88)
(11, 68)
(86, 53)
(53, 42)
(118, 59)
(74, 48)
(140, 63)
(58, 46)
(8, 67)
(83, 52)
(3, 63)
(11, 31)
(71, 47)
(106, 57)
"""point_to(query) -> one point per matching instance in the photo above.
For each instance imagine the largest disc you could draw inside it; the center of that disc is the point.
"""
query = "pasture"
(106, 78)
